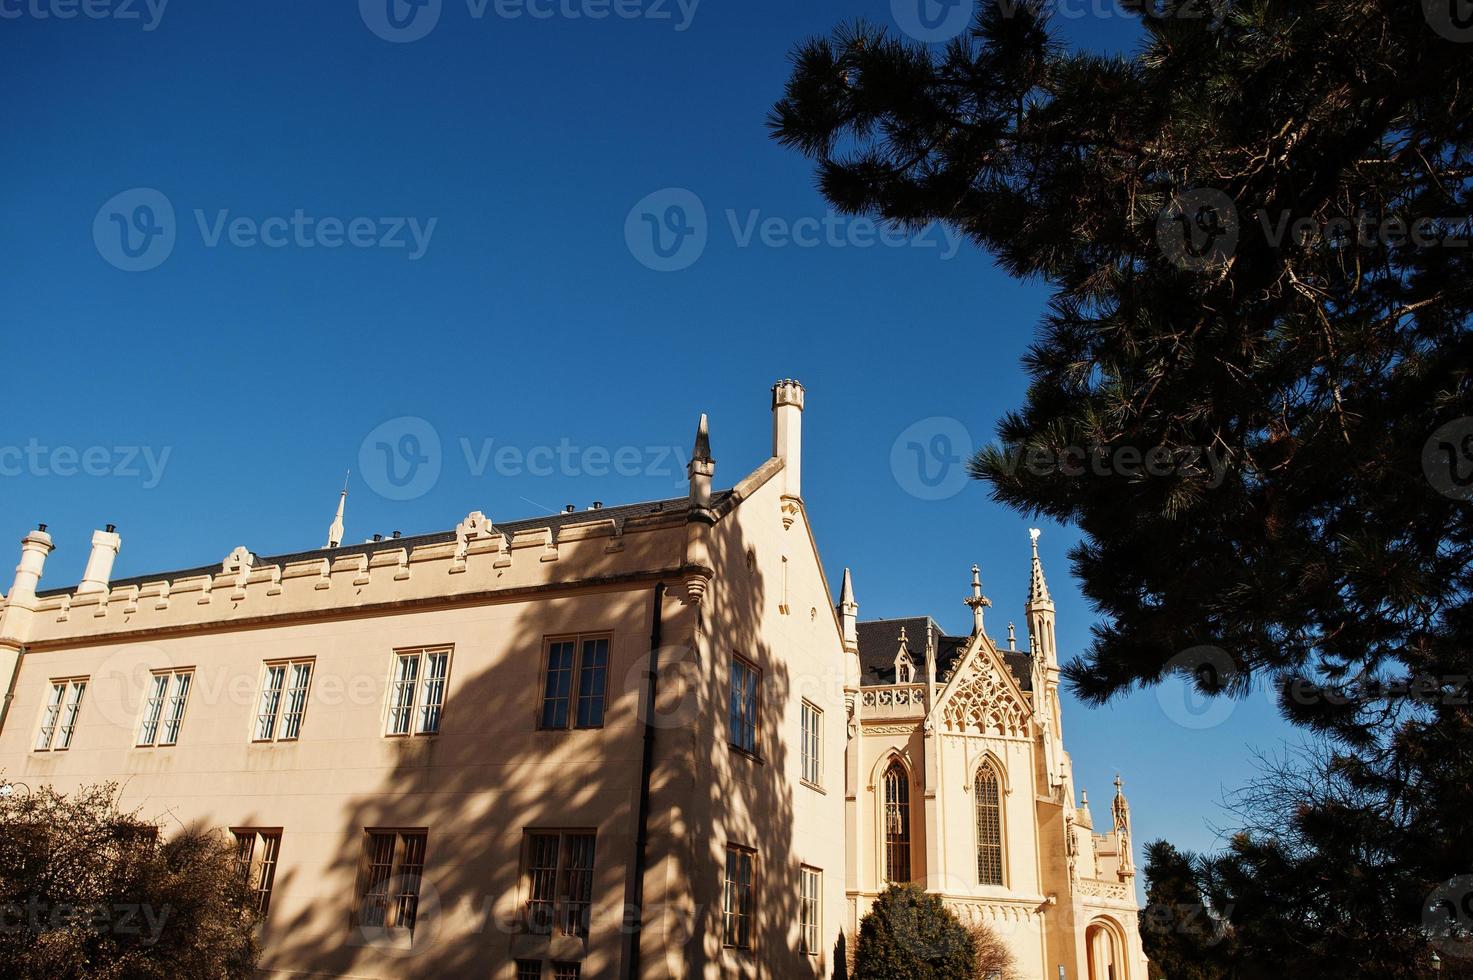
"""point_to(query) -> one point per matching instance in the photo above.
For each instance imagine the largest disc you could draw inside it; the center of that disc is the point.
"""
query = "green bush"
(910, 935)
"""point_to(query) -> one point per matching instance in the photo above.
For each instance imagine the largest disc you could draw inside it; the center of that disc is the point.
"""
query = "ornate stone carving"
(984, 702)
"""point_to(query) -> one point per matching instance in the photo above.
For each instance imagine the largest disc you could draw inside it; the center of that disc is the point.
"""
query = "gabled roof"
(622, 512)
(880, 638)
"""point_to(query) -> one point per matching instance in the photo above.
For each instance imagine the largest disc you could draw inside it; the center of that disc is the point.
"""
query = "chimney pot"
(377, 538)
(569, 509)
(396, 534)
(598, 505)
(111, 528)
(41, 527)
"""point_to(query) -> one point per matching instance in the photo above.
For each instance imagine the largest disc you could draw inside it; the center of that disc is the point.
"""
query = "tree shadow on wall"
(490, 776)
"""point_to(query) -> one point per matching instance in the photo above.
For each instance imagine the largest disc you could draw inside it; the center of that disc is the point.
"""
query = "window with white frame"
(284, 687)
(575, 682)
(59, 717)
(809, 906)
(812, 744)
(163, 711)
(417, 693)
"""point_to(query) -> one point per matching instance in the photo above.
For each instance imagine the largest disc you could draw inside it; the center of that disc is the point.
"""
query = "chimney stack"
(105, 545)
(787, 432)
(34, 548)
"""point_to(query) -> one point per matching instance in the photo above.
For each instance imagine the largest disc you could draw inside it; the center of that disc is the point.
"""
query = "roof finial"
(335, 532)
(1012, 637)
(977, 601)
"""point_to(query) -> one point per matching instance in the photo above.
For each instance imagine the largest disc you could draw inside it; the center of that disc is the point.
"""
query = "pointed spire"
(977, 601)
(702, 450)
(699, 470)
(1012, 637)
(1120, 809)
(335, 532)
(849, 613)
(1037, 587)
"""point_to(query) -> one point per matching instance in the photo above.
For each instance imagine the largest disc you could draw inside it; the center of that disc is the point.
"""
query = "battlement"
(476, 558)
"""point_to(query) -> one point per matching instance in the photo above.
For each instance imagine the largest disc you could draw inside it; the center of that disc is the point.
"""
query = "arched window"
(897, 823)
(988, 792)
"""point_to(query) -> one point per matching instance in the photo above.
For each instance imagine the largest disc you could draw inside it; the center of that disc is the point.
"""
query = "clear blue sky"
(527, 314)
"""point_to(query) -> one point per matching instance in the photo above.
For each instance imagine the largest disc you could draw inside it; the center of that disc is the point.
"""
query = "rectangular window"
(745, 682)
(417, 694)
(529, 970)
(255, 862)
(388, 896)
(812, 747)
(283, 700)
(559, 875)
(809, 911)
(163, 712)
(59, 719)
(736, 897)
(567, 971)
(580, 664)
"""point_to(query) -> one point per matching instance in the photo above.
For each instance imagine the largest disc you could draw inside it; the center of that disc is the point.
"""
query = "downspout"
(647, 765)
(20, 655)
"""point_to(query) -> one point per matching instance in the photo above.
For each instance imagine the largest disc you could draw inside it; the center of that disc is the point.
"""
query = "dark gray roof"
(879, 639)
(620, 513)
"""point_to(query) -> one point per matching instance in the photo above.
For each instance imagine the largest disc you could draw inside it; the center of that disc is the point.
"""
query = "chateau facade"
(609, 743)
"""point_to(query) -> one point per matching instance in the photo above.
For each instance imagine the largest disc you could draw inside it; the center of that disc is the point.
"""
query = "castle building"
(607, 743)
(957, 779)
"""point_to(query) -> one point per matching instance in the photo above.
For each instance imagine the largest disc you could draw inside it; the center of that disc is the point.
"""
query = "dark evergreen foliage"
(911, 935)
(1251, 391)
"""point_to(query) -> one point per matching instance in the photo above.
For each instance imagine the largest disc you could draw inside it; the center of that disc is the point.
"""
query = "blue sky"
(451, 239)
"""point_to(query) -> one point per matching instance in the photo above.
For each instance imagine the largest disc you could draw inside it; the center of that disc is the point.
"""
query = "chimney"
(787, 432)
(105, 545)
(34, 548)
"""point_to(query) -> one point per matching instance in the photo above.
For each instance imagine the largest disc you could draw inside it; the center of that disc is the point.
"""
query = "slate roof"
(622, 512)
(879, 639)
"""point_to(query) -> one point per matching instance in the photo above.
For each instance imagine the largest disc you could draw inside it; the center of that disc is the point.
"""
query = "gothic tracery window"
(988, 793)
(897, 823)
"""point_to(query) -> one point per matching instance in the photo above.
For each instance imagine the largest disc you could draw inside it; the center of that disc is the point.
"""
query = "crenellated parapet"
(477, 558)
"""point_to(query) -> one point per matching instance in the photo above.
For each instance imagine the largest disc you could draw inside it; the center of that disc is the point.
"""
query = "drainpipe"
(647, 765)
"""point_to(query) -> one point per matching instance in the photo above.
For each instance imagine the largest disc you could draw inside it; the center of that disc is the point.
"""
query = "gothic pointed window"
(897, 823)
(988, 793)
